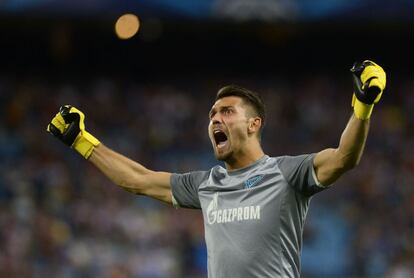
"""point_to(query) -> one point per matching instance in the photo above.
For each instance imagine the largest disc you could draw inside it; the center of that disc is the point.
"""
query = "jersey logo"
(212, 207)
(216, 215)
(252, 181)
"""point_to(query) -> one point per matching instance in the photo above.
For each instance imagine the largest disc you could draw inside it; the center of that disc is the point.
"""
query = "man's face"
(228, 128)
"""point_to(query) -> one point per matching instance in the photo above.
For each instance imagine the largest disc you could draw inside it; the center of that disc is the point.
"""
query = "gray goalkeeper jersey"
(253, 217)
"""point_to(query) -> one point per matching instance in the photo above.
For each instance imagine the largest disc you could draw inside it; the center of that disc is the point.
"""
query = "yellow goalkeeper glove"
(369, 84)
(69, 126)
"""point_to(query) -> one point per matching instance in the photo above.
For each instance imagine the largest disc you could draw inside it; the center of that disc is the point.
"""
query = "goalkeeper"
(254, 208)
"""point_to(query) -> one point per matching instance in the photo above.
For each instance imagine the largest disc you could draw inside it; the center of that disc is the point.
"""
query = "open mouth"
(220, 137)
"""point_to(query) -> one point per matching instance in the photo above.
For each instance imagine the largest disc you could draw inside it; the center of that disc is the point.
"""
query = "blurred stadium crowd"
(60, 217)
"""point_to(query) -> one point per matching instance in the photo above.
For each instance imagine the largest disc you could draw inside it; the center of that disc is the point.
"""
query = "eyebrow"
(220, 108)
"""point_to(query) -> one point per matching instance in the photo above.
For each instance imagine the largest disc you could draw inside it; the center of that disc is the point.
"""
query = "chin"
(223, 156)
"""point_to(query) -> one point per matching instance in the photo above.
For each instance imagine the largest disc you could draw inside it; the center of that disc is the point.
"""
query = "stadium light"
(127, 26)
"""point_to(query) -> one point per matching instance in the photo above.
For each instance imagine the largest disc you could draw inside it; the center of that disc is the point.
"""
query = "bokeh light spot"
(127, 26)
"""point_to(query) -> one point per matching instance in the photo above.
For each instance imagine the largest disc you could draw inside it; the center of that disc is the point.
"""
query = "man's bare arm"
(131, 175)
(330, 164)
(68, 126)
(369, 84)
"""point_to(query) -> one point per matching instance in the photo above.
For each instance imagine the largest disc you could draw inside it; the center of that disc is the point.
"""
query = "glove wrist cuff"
(361, 110)
(85, 144)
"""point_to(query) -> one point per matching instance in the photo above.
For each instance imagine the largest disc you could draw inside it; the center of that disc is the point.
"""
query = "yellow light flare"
(127, 26)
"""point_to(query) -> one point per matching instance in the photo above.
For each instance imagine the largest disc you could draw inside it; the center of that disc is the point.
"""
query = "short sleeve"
(299, 173)
(185, 188)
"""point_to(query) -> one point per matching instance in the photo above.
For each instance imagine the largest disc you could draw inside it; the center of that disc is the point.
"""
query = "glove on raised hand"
(369, 83)
(69, 126)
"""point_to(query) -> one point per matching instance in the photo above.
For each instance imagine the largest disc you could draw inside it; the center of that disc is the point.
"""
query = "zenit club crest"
(252, 181)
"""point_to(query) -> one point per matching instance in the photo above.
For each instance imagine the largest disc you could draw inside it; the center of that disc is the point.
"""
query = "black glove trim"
(55, 131)
(368, 94)
(70, 134)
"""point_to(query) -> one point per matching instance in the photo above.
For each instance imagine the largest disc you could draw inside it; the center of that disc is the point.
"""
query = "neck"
(245, 157)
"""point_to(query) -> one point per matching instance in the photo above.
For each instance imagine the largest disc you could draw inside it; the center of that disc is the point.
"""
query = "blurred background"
(146, 82)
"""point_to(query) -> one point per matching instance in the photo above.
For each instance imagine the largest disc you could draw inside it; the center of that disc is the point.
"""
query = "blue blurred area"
(269, 10)
(326, 251)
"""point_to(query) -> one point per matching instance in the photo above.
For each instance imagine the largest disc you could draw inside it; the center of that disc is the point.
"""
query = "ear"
(254, 125)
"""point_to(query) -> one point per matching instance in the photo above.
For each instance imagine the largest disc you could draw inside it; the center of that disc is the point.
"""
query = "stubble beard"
(225, 157)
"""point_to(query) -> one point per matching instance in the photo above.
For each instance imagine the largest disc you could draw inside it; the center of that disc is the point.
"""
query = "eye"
(227, 111)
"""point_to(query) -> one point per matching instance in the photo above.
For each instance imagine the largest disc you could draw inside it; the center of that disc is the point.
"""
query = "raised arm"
(68, 125)
(131, 175)
(330, 164)
(369, 83)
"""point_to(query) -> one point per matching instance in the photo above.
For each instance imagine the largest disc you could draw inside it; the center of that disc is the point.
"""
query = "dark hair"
(249, 97)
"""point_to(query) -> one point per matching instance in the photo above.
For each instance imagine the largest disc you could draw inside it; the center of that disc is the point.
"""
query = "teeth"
(221, 144)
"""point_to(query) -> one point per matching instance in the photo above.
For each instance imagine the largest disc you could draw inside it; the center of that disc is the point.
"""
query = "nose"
(216, 119)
